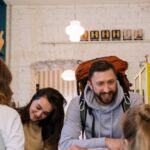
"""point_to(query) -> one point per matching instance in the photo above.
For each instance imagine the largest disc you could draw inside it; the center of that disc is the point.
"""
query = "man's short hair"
(100, 66)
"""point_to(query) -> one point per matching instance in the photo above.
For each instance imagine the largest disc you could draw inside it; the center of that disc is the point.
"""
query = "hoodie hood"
(91, 101)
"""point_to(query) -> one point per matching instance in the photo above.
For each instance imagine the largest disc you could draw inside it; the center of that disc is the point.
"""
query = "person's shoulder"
(76, 100)
(134, 94)
(8, 110)
(135, 98)
(75, 103)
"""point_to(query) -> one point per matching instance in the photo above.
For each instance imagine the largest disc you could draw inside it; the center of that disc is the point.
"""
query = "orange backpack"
(120, 66)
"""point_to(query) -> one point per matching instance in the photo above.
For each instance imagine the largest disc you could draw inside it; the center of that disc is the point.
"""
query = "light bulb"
(68, 75)
(74, 30)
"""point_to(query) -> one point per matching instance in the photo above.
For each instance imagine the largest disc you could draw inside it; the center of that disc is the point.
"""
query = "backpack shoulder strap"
(83, 114)
(126, 103)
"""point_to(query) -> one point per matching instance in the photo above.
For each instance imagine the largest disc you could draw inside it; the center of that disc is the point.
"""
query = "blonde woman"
(136, 128)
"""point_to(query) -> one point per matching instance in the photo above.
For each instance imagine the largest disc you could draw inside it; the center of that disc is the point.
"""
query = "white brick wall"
(32, 25)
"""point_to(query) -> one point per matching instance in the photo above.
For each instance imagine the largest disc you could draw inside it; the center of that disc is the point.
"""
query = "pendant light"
(74, 30)
(68, 75)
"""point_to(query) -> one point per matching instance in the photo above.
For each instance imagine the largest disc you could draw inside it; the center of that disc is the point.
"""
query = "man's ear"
(90, 84)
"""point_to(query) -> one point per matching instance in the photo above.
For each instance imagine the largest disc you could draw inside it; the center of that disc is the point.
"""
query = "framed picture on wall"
(94, 35)
(2, 30)
(127, 34)
(85, 36)
(116, 35)
(105, 35)
(138, 34)
(2, 42)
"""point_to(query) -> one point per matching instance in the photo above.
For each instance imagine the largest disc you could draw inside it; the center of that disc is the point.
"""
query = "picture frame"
(127, 34)
(85, 36)
(116, 35)
(138, 34)
(105, 35)
(94, 35)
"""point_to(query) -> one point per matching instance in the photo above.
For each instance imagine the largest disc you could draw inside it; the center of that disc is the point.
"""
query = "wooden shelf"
(94, 42)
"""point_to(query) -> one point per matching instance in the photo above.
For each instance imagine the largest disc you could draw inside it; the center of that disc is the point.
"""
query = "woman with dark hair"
(43, 119)
(11, 132)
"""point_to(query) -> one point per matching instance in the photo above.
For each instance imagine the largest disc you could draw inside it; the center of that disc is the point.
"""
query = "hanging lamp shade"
(68, 75)
(74, 30)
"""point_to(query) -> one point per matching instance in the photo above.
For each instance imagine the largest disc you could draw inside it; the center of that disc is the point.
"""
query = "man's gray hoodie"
(107, 121)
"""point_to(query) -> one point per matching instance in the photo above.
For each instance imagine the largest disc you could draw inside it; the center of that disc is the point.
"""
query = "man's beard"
(105, 97)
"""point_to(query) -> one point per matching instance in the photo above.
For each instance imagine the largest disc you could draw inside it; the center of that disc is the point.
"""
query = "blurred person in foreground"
(11, 131)
(136, 128)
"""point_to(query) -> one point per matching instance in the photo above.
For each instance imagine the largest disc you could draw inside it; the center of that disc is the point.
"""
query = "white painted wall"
(30, 26)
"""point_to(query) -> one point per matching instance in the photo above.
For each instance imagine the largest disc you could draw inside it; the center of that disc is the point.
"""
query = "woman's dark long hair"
(52, 124)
